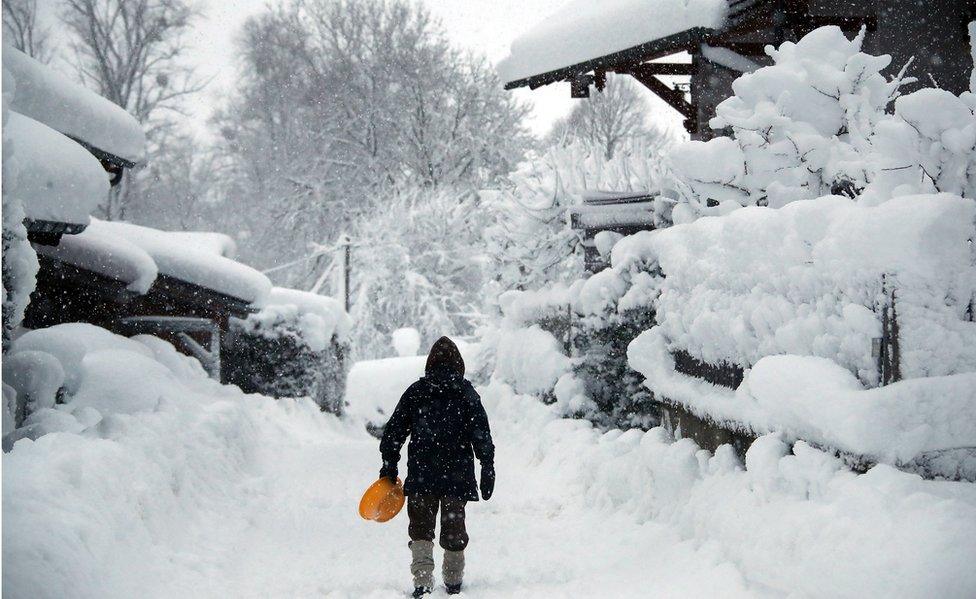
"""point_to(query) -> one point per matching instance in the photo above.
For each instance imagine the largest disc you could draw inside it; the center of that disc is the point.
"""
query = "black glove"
(487, 481)
(389, 471)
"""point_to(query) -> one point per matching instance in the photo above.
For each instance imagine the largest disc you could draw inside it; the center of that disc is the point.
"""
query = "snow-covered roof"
(55, 178)
(584, 30)
(135, 255)
(207, 241)
(50, 98)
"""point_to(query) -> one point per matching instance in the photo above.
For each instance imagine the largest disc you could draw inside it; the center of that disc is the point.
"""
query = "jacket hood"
(444, 360)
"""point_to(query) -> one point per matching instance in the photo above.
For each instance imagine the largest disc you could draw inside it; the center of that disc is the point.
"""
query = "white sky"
(484, 26)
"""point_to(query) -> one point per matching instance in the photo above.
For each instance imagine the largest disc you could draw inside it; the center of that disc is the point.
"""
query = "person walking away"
(447, 425)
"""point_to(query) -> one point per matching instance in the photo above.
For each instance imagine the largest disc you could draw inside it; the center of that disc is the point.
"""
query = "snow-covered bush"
(530, 242)
(296, 346)
(823, 120)
(800, 128)
(567, 347)
(927, 146)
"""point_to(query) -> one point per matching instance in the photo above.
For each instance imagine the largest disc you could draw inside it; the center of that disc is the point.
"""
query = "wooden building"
(67, 147)
(730, 39)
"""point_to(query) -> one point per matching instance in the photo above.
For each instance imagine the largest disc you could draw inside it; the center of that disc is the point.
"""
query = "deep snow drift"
(183, 487)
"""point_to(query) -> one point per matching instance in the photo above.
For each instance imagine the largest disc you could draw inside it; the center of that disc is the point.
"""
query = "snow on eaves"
(58, 180)
(190, 263)
(135, 255)
(108, 255)
(584, 30)
(74, 110)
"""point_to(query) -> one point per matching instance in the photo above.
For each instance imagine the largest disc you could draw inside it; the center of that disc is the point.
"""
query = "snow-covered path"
(185, 488)
(298, 534)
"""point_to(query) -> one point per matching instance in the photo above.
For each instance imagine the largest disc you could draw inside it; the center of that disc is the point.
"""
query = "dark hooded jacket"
(447, 425)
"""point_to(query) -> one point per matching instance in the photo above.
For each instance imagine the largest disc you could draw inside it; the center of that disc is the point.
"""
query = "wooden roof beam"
(662, 68)
(675, 98)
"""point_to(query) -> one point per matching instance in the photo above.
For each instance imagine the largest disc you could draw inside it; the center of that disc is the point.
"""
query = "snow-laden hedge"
(296, 346)
(566, 347)
(806, 279)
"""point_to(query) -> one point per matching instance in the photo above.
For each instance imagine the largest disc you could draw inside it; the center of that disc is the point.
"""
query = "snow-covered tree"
(530, 241)
(133, 53)
(609, 119)
(418, 261)
(341, 101)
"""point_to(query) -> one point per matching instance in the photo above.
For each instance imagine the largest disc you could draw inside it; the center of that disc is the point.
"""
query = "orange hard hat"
(382, 500)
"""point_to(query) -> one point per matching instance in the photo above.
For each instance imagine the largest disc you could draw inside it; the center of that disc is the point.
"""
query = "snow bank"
(583, 30)
(145, 452)
(805, 279)
(58, 179)
(187, 261)
(317, 317)
(50, 98)
(795, 523)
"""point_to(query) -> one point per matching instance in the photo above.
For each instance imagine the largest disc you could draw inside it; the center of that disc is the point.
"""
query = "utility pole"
(346, 244)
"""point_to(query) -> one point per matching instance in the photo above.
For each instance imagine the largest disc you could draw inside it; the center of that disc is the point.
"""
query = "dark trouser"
(422, 511)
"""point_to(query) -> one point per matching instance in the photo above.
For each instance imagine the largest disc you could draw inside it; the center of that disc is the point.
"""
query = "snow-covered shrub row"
(927, 425)
(144, 453)
(819, 121)
(786, 519)
(596, 382)
(296, 346)
(807, 279)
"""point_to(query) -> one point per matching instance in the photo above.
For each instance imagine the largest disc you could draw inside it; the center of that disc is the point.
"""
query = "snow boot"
(419, 592)
(453, 571)
(422, 566)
